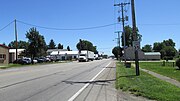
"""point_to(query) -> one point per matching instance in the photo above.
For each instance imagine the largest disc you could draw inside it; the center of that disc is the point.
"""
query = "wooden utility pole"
(118, 44)
(123, 25)
(16, 39)
(135, 37)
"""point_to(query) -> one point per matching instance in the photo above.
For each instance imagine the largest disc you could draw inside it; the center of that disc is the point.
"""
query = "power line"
(50, 28)
(175, 24)
(6, 26)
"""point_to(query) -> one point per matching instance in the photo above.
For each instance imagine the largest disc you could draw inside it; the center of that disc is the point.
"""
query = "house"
(12, 54)
(65, 55)
(4, 55)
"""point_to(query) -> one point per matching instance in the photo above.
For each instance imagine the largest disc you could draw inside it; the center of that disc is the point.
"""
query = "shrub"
(178, 63)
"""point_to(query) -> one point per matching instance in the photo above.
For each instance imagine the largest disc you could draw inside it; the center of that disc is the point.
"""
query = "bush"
(178, 63)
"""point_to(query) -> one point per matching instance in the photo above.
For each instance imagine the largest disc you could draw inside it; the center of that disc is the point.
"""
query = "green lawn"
(19, 65)
(145, 85)
(167, 70)
(10, 66)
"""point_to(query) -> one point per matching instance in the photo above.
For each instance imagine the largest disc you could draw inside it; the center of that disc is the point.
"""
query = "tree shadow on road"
(109, 67)
(97, 82)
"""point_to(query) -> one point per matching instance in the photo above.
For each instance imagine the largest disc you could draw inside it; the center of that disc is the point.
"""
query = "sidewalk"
(164, 78)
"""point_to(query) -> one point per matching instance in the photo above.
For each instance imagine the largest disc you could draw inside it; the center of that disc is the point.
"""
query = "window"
(2, 56)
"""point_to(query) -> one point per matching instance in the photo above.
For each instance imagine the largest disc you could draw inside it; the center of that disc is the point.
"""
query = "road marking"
(79, 92)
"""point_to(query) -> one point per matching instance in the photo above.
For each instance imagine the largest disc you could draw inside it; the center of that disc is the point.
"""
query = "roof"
(14, 50)
(64, 52)
(152, 53)
(51, 50)
(4, 46)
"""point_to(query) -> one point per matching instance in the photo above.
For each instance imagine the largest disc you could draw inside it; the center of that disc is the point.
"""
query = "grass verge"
(167, 70)
(19, 65)
(145, 85)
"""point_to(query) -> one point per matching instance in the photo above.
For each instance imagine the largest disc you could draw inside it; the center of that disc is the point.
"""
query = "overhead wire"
(6, 26)
(51, 28)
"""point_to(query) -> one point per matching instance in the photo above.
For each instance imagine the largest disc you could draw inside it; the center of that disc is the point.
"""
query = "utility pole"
(135, 37)
(123, 25)
(118, 42)
(16, 39)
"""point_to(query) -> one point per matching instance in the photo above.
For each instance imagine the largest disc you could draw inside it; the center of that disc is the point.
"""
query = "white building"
(12, 54)
(49, 51)
(65, 55)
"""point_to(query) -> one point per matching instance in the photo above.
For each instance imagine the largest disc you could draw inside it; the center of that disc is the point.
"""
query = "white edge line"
(79, 92)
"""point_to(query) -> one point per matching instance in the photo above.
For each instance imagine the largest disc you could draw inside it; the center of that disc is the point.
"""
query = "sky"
(157, 20)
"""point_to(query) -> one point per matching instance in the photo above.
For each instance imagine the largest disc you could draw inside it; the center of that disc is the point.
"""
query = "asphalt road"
(74, 81)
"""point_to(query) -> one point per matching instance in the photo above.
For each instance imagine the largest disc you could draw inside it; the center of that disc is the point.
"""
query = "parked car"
(22, 61)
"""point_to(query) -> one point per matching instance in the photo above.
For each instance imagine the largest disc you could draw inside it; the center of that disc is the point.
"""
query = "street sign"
(136, 44)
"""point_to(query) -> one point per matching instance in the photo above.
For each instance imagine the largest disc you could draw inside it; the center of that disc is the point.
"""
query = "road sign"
(136, 44)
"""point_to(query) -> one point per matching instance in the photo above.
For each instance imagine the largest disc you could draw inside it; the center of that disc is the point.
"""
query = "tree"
(158, 46)
(129, 36)
(169, 42)
(147, 48)
(21, 44)
(37, 45)
(68, 48)
(60, 46)
(86, 45)
(4, 43)
(52, 44)
(166, 48)
(117, 50)
(169, 52)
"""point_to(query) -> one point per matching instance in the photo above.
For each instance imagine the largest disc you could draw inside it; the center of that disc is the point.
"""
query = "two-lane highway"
(58, 82)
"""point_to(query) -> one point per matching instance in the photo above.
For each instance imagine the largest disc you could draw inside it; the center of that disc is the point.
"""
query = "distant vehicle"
(86, 55)
(42, 59)
(96, 57)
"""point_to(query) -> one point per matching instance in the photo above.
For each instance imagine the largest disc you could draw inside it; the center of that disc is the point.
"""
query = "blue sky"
(157, 20)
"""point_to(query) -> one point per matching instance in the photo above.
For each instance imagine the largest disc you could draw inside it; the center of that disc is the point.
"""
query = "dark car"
(22, 61)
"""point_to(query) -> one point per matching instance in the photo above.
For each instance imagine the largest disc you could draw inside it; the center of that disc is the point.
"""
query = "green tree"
(158, 46)
(21, 44)
(60, 46)
(117, 50)
(4, 43)
(37, 45)
(86, 45)
(169, 42)
(129, 36)
(166, 48)
(169, 52)
(68, 48)
(147, 48)
(52, 44)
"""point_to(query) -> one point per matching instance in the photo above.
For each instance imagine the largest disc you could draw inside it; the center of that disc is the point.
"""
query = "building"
(4, 55)
(152, 55)
(65, 55)
(12, 54)
(130, 55)
(49, 51)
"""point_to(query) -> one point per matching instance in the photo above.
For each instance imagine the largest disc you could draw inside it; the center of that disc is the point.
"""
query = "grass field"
(167, 70)
(145, 85)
